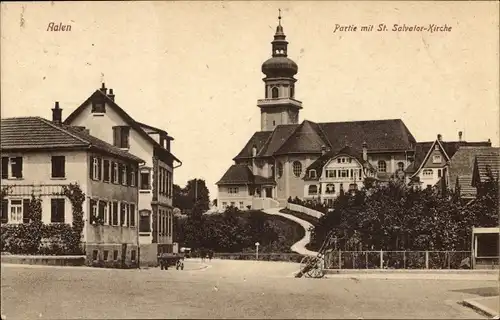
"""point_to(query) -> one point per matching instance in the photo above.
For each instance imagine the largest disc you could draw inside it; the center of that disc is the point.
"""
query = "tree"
(195, 192)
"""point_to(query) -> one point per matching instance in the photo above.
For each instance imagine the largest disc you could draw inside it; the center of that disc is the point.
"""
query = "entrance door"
(269, 192)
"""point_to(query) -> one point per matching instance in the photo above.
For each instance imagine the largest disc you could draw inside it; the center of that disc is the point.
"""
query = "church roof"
(309, 137)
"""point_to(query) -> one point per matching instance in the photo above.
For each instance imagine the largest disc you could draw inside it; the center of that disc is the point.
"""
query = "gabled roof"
(309, 137)
(128, 119)
(462, 162)
(147, 127)
(35, 133)
(239, 174)
(319, 164)
(424, 149)
(482, 165)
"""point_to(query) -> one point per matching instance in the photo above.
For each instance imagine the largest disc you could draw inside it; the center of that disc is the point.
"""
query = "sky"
(194, 68)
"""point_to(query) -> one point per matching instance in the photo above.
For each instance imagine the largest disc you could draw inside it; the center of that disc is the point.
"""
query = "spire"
(279, 43)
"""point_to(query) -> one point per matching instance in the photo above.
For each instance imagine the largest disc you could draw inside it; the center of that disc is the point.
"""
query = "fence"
(287, 257)
(398, 259)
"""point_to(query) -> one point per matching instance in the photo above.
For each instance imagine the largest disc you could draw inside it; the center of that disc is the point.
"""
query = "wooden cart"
(166, 260)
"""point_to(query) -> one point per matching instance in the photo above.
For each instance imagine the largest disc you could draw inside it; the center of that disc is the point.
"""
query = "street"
(225, 289)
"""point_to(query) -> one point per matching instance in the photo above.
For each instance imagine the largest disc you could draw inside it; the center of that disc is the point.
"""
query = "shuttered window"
(5, 167)
(4, 214)
(121, 136)
(58, 166)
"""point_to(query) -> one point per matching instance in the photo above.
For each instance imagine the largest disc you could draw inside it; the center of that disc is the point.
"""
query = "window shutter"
(5, 167)
(5, 209)
(26, 210)
(20, 167)
(91, 166)
(129, 175)
(132, 215)
(99, 169)
(54, 167)
(116, 136)
(112, 168)
(120, 173)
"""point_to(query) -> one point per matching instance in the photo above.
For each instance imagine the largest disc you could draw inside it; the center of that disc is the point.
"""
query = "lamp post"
(257, 250)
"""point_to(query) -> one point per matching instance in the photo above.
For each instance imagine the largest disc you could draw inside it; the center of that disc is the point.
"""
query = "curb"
(478, 307)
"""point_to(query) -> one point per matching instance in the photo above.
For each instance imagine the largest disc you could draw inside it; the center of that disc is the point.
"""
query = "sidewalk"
(486, 305)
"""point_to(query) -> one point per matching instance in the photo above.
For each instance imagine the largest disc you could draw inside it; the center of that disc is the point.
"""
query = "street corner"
(488, 306)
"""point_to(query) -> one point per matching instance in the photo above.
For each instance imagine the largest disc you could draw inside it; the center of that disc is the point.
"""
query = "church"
(309, 160)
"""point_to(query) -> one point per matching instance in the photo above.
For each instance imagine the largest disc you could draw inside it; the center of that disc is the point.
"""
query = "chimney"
(111, 95)
(459, 135)
(365, 151)
(440, 137)
(57, 114)
(103, 88)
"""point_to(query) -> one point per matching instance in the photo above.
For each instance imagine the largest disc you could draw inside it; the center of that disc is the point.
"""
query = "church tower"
(279, 105)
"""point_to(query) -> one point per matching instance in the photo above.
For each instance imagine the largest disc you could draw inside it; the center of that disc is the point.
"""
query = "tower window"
(292, 91)
(275, 92)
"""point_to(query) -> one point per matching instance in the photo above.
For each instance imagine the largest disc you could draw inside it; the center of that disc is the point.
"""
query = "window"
(144, 221)
(313, 189)
(330, 188)
(115, 255)
(339, 160)
(331, 173)
(274, 92)
(103, 210)
(106, 171)
(436, 147)
(292, 91)
(401, 166)
(241, 204)
(95, 168)
(114, 214)
(280, 169)
(124, 175)
(312, 174)
(106, 255)
(16, 167)
(233, 190)
(132, 214)
(232, 204)
(297, 168)
(439, 173)
(57, 210)
(121, 137)
(353, 186)
(98, 107)
(120, 173)
(132, 255)
(427, 173)
(94, 255)
(16, 211)
(436, 159)
(382, 166)
(145, 177)
(58, 166)
(115, 173)
(360, 173)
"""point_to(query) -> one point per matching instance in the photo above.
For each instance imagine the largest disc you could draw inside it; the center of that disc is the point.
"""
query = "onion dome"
(279, 65)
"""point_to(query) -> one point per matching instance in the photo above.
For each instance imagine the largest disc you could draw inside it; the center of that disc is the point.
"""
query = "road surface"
(225, 289)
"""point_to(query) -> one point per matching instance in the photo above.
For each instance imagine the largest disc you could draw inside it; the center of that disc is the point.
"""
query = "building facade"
(103, 118)
(39, 157)
(287, 158)
(315, 160)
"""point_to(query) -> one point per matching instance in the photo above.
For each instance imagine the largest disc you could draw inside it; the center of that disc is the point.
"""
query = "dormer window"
(312, 174)
(121, 136)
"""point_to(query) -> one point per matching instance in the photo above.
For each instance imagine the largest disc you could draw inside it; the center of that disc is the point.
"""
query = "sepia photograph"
(250, 159)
